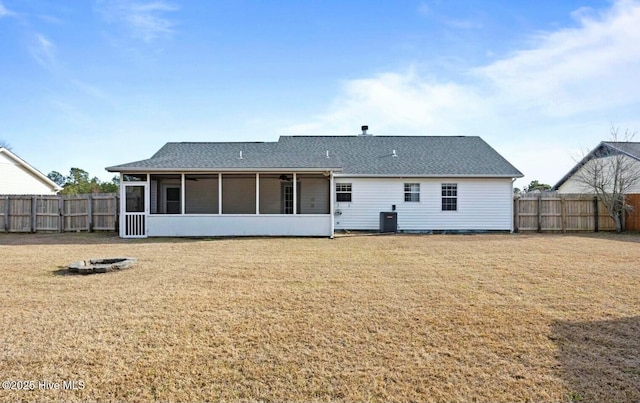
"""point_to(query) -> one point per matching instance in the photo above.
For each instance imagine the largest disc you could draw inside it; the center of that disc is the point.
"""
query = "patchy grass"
(364, 318)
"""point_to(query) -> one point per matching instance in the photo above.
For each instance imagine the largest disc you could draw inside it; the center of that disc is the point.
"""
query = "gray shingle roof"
(356, 155)
(632, 149)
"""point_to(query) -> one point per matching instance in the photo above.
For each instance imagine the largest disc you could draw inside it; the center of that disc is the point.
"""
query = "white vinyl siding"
(482, 204)
(239, 225)
(15, 179)
(573, 185)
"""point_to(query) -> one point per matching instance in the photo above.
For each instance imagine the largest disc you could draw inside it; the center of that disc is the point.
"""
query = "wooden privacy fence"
(100, 212)
(88, 212)
(561, 212)
(633, 219)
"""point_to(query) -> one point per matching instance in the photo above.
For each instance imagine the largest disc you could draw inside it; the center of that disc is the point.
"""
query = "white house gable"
(16, 177)
(573, 184)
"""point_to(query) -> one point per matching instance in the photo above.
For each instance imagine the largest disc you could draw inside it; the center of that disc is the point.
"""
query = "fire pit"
(101, 265)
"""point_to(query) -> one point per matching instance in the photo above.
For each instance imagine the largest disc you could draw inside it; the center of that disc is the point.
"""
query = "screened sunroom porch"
(226, 204)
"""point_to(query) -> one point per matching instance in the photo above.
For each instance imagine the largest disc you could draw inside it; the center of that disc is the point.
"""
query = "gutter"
(216, 170)
(344, 175)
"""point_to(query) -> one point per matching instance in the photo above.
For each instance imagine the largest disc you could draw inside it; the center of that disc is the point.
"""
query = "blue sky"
(91, 84)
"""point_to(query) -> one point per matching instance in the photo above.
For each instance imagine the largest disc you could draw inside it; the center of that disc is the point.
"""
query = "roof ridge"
(377, 136)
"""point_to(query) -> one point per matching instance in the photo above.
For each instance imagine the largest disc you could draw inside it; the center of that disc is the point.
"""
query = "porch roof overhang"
(223, 170)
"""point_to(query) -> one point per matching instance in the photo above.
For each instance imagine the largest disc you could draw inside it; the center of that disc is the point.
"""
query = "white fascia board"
(221, 170)
(343, 175)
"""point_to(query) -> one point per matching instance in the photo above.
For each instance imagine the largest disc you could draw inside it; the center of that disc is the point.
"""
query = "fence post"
(623, 214)
(517, 214)
(62, 213)
(596, 214)
(33, 213)
(563, 214)
(90, 212)
(60, 223)
(116, 222)
(6, 214)
(540, 212)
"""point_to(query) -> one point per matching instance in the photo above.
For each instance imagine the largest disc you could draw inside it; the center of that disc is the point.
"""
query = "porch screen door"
(135, 216)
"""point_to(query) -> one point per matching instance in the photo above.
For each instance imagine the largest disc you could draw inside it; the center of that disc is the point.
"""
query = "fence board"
(20, 214)
(76, 213)
(4, 211)
(47, 213)
(105, 209)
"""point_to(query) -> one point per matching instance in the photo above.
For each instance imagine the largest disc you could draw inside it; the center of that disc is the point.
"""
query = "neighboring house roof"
(37, 175)
(604, 149)
(364, 155)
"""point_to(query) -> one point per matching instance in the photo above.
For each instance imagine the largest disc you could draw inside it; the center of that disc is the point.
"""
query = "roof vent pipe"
(364, 130)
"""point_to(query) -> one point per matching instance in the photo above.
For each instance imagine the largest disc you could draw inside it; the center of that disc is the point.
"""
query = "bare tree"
(4, 144)
(610, 171)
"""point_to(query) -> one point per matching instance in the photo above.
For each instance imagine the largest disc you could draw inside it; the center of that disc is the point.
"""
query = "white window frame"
(344, 189)
(412, 192)
(449, 193)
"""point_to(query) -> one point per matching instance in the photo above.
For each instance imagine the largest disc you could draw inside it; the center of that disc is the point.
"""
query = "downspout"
(512, 216)
(257, 193)
(147, 204)
(183, 192)
(123, 204)
(219, 193)
(295, 194)
(332, 198)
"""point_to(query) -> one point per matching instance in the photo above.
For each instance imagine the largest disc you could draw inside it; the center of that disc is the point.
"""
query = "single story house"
(603, 157)
(606, 150)
(315, 185)
(17, 177)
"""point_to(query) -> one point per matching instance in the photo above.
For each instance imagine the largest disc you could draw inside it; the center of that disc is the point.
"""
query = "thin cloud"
(92, 90)
(147, 21)
(5, 12)
(43, 51)
(424, 9)
(463, 24)
(575, 70)
(68, 112)
(50, 19)
(398, 103)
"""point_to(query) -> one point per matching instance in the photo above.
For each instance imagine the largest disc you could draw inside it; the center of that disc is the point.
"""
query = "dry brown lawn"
(541, 318)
